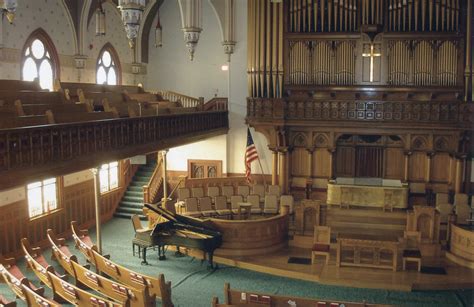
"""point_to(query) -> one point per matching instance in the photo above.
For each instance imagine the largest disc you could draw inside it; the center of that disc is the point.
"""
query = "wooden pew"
(151, 286)
(250, 298)
(94, 281)
(6, 303)
(15, 278)
(77, 296)
(15, 283)
(23, 121)
(38, 263)
(33, 299)
(39, 109)
(19, 85)
(62, 118)
(31, 97)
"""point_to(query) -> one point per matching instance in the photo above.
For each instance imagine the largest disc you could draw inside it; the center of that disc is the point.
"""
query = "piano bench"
(142, 246)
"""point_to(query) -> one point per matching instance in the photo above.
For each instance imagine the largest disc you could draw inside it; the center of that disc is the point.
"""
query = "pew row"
(6, 303)
(249, 298)
(18, 85)
(33, 299)
(84, 277)
(15, 279)
(151, 286)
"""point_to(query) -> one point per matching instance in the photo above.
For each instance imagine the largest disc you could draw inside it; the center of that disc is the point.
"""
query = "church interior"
(236, 153)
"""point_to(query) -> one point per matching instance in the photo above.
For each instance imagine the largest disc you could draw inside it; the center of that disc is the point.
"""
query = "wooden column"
(165, 178)
(283, 175)
(332, 163)
(95, 173)
(309, 180)
(429, 156)
(274, 167)
(458, 176)
(467, 70)
(407, 158)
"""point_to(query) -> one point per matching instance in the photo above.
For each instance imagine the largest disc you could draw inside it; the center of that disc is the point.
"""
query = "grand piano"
(180, 231)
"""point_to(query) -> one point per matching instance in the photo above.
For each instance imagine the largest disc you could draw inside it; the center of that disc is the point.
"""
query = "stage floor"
(456, 277)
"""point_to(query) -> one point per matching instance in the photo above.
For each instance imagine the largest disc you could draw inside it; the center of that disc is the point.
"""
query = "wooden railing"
(422, 112)
(216, 104)
(185, 101)
(212, 182)
(64, 147)
(151, 189)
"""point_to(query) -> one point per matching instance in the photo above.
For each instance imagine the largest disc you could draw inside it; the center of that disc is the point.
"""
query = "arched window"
(108, 66)
(40, 60)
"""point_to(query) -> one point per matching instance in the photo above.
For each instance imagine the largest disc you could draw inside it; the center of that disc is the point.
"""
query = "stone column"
(95, 173)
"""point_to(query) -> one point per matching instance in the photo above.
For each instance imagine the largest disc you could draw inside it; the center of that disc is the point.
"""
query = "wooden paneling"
(320, 166)
(394, 163)
(76, 202)
(345, 159)
(300, 162)
(440, 167)
(417, 166)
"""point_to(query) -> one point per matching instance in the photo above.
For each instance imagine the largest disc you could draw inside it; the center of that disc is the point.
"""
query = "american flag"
(250, 155)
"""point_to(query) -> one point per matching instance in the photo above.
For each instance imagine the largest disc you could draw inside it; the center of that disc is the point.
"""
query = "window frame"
(41, 35)
(115, 60)
(45, 211)
(109, 189)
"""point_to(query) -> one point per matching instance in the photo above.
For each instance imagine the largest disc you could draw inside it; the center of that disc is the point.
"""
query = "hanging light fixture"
(100, 20)
(132, 12)
(158, 32)
(9, 6)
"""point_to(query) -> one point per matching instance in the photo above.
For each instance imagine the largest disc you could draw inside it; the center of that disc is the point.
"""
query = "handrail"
(216, 104)
(183, 178)
(184, 100)
(151, 189)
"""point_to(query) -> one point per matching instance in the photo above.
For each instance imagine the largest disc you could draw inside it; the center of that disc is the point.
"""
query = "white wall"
(169, 68)
(53, 17)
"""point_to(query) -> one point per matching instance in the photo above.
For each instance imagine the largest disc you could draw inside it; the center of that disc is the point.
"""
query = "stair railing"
(216, 104)
(151, 189)
(185, 101)
(178, 185)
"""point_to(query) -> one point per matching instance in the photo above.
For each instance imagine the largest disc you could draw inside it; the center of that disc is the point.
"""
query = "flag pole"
(261, 167)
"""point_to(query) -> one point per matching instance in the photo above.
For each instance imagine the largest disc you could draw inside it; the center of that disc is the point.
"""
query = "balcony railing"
(432, 112)
(100, 141)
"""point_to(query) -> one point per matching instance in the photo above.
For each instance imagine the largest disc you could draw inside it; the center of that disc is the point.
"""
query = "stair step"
(133, 198)
(144, 173)
(129, 216)
(135, 189)
(129, 210)
(134, 193)
(341, 224)
(141, 178)
(131, 204)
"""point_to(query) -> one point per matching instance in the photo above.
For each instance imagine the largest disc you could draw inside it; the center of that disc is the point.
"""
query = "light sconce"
(9, 8)
(158, 33)
(225, 67)
(100, 20)
(132, 13)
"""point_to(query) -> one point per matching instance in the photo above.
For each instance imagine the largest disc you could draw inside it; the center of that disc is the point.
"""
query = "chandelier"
(9, 6)
(132, 12)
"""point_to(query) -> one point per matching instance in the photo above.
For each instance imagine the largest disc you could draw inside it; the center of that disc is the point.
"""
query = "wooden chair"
(243, 190)
(33, 299)
(274, 190)
(270, 205)
(442, 198)
(287, 200)
(234, 203)
(213, 192)
(197, 192)
(411, 251)
(255, 201)
(191, 206)
(463, 213)
(220, 203)
(77, 296)
(259, 189)
(205, 204)
(444, 209)
(228, 191)
(321, 243)
(183, 193)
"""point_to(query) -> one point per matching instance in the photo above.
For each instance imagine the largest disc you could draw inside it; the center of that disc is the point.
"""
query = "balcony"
(53, 150)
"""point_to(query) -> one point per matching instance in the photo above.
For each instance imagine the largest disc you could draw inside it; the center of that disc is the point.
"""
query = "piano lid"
(179, 219)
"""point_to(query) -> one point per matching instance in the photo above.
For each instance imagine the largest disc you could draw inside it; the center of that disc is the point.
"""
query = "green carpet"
(194, 285)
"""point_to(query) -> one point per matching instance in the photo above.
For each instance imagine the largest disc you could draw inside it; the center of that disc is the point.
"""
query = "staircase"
(132, 200)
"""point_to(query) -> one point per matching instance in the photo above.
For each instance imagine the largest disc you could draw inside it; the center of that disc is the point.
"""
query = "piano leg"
(161, 252)
(178, 252)
(211, 261)
(144, 262)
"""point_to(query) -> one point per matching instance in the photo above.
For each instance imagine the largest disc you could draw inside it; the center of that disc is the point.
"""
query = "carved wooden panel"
(440, 167)
(345, 162)
(417, 166)
(321, 158)
(394, 163)
(300, 162)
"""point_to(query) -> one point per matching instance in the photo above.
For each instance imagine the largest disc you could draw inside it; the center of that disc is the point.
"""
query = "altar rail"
(426, 112)
(51, 149)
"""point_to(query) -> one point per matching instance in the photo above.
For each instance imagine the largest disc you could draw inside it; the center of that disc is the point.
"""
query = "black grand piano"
(180, 231)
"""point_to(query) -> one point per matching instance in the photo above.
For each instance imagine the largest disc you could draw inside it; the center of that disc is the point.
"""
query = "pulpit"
(307, 215)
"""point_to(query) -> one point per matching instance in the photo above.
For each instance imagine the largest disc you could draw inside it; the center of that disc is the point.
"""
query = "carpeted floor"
(194, 285)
